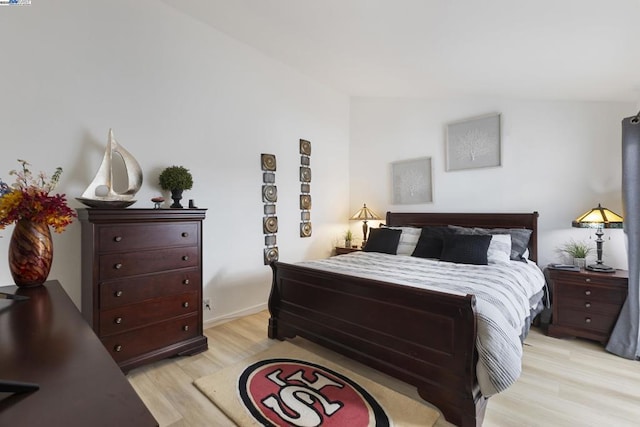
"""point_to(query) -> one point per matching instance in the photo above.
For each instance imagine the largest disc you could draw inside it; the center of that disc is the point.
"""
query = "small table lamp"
(599, 218)
(364, 214)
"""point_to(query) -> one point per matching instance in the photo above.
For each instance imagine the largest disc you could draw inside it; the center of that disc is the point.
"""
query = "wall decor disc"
(270, 255)
(305, 202)
(305, 147)
(269, 193)
(268, 162)
(305, 229)
(270, 224)
(305, 174)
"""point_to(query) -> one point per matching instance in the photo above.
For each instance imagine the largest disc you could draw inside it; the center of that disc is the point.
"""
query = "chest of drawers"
(142, 282)
(586, 304)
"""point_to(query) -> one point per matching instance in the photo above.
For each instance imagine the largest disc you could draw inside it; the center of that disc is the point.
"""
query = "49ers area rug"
(286, 385)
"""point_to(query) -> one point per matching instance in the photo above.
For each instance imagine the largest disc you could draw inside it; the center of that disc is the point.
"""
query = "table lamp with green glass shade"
(599, 218)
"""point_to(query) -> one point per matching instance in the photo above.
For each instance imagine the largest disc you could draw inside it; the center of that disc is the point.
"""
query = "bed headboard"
(484, 220)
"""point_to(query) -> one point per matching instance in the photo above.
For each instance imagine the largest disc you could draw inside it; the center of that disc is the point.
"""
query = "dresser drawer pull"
(185, 328)
(587, 293)
(117, 266)
(185, 234)
(117, 348)
(587, 320)
(588, 280)
(117, 294)
(117, 320)
(185, 282)
(587, 304)
(185, 257)
(185, 304)
(117, 239)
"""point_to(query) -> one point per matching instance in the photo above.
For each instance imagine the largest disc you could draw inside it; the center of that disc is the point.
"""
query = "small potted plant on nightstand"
(348, 236)
(578, 251)
(177, 179)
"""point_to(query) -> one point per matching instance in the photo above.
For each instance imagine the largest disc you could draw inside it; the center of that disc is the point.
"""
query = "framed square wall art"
(411, 182)
(474, 143)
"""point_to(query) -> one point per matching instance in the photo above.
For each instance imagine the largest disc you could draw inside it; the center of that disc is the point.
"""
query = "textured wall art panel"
(305, 188)
(269, 199)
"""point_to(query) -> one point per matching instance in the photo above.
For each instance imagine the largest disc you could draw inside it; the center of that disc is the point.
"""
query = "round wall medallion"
(268, 162)
(305, 147)
(305, 202)
(270, 224)
(269, 193)
(305, 174)
(270, 255)
(305, 229)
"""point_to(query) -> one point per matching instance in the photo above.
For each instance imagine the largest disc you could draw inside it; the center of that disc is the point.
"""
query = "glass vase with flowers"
(30, 205)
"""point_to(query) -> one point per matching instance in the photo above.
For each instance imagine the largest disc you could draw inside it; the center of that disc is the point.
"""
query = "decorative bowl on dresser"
(585, 303)
(142, 282)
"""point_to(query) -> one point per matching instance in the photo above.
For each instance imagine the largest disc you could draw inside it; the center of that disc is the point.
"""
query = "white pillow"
(408, 239)
(499, 249)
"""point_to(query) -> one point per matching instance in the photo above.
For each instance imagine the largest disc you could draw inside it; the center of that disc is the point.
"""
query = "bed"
(426, 338)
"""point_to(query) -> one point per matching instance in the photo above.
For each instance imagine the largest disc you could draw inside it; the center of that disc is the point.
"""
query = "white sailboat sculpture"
(100, 193)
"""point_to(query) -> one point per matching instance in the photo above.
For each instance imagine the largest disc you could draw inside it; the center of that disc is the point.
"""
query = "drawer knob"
(185, 234)
(185, 281)
(587, 304)
(587, 293)
(117, 294)
(118, 266)
(588, 280)
(117, 320)
(117, 239)
(587, 320)
(185, 304)
(185, 257)
(117, 348)
(185, 328)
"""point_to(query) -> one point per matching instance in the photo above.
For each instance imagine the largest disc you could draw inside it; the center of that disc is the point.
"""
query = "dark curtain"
(625, 339)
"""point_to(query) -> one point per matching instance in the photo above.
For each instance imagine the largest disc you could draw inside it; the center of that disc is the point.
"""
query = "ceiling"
(542, 49)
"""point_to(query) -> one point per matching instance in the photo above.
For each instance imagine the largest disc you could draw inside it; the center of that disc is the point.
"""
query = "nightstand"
(585, 303)
(340, 250)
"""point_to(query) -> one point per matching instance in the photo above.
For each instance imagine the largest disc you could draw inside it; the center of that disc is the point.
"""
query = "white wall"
(175, 92)
(558, 158)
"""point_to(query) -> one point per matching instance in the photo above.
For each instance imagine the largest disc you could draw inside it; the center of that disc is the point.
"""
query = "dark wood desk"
(45, 340)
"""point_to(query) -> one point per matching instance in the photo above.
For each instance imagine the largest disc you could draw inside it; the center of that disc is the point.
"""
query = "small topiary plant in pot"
(177, 179)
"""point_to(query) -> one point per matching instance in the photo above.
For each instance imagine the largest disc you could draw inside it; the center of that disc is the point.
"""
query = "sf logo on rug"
(285, 392)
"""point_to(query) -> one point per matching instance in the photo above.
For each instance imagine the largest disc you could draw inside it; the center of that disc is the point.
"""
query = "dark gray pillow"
(384, 240)
(466, 248)
(431, 241)
(519, 237)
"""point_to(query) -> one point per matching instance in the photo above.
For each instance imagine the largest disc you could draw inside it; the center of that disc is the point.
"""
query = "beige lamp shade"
(365, 214)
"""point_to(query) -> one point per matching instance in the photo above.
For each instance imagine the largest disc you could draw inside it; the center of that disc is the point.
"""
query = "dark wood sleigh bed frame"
(422, 337)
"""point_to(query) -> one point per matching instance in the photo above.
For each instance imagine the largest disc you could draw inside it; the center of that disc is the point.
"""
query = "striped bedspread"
(505, 293)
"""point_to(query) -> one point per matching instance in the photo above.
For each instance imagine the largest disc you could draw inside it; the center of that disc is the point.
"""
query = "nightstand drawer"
(587, 320)
(590, 293)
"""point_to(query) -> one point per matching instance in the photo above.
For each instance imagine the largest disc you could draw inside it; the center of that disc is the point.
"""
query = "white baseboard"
(235, 315)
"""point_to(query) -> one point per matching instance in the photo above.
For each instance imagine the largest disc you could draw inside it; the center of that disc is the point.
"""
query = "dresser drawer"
(123, 237)
(114, 266)
(583, 292)
(132, 316)
(139, 341)
(117, 293)
(587, 320)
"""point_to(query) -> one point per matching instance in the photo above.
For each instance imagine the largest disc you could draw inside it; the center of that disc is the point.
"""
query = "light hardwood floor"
(569, 382)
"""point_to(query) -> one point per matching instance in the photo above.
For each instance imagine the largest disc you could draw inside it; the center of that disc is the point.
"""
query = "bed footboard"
(422, 337)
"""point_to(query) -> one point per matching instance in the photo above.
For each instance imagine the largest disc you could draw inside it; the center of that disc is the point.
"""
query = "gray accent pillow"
(519, 237)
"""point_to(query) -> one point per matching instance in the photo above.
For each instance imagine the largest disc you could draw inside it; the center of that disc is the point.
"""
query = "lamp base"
(601, 268)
